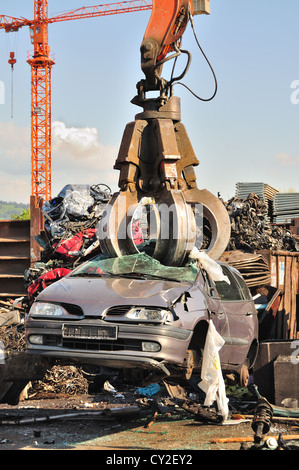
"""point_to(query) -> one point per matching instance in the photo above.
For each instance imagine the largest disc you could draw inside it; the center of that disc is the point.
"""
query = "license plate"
(89, 332)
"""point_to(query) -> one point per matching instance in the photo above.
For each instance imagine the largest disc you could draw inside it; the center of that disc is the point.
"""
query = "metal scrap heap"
(71, 219)
(69, 237)
(251, 229)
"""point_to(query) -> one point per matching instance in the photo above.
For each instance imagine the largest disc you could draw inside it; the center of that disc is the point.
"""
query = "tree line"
(14, 210)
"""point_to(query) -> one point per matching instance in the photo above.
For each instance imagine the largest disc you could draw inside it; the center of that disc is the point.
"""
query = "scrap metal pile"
(68, 380)
(12, 335)
(71, 219)
(251, 229)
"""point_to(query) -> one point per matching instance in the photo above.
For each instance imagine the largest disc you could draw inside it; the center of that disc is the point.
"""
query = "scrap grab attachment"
(156, 160)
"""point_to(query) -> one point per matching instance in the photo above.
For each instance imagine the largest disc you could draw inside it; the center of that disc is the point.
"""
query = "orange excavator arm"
(163, 35)
(167, 23)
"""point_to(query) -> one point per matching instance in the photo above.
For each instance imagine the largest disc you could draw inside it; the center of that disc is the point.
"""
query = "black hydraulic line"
(208, 62)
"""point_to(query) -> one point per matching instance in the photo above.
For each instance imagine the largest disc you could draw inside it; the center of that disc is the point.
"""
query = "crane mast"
(41, 67)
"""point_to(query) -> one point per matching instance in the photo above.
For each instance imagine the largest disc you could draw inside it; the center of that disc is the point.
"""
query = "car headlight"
(44, 309)
(153, 315)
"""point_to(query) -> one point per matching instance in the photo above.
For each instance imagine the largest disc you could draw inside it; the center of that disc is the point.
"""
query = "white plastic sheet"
(77, 203)
(213, 268)
(211, 374)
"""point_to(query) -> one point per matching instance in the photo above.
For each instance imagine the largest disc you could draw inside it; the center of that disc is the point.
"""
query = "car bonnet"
(96, 295)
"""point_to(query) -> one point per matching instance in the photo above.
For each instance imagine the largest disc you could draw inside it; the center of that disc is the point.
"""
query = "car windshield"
(139, 265)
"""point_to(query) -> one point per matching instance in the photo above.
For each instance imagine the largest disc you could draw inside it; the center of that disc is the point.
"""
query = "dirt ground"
(51, 424)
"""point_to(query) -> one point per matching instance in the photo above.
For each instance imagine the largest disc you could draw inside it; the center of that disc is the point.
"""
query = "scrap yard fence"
(284, 272)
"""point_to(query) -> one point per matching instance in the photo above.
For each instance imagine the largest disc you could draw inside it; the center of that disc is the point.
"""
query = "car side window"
(244, 287)
(228, 291)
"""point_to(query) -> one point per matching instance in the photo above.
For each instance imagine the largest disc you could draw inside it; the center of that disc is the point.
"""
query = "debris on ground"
(158, 402)
(68, 380)
(148, 391)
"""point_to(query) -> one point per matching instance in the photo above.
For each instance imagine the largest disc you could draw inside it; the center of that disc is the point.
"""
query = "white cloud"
(287, 160)
(79, 139)
(82, 146)
(77, 157)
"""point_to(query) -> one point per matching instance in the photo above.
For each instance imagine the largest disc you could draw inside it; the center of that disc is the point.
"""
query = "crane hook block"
(12, 59)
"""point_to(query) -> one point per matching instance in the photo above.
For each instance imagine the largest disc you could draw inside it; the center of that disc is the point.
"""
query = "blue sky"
(249, 132)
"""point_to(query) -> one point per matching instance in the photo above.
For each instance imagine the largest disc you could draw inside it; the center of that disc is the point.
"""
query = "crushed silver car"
(133, 312)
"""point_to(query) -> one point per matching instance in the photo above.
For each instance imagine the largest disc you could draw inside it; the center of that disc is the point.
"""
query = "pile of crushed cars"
(70, 238)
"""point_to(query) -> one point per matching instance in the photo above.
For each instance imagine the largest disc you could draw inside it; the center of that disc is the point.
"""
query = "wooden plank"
(288, 296)
(294, 290)
(280, 266)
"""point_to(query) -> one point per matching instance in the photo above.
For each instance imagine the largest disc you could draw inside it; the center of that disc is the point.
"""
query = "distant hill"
(8, 209)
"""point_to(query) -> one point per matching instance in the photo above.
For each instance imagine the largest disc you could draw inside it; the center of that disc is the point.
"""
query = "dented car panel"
(138, 313)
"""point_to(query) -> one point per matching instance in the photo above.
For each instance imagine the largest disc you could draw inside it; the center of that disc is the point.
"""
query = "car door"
(218, 315)
(237, 303)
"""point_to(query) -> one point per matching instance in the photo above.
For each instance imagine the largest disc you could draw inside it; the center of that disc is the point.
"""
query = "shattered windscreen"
(140, 265)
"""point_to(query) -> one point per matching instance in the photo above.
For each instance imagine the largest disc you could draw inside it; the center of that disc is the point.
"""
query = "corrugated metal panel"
(263, 190)
(285, 207)
(253, 267)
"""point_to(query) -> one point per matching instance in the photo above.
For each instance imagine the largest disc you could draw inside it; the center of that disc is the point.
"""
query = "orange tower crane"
(41, 66)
